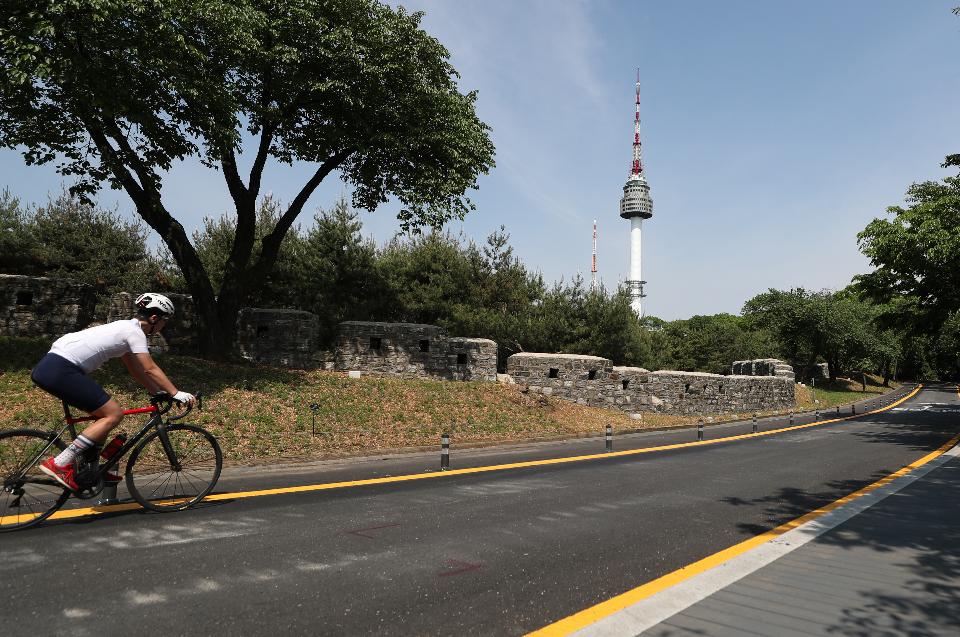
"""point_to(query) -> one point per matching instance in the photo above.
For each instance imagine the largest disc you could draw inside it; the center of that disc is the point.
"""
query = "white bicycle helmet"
(156, 302)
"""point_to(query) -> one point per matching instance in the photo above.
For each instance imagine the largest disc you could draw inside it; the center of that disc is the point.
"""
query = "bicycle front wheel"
(28, 495)
(174, 468)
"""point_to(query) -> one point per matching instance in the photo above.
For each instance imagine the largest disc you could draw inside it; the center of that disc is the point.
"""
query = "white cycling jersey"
(90, 348)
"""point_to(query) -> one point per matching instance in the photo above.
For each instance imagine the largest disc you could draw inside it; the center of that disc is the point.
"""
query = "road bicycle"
(172, 466)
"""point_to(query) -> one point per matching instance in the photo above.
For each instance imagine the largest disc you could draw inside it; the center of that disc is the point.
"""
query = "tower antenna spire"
(636, 166)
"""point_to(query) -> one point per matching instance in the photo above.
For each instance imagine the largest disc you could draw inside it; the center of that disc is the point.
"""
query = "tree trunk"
(833, 370)
(215, 329)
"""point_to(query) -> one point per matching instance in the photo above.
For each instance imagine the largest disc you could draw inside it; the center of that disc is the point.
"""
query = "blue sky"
(773, 132)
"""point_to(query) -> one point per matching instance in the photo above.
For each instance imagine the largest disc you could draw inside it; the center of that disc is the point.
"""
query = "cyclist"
(63, 373)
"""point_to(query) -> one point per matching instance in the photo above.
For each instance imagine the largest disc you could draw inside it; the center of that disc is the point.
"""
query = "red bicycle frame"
(126, 412)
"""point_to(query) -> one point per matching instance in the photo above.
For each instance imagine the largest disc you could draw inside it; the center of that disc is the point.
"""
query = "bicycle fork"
(168, 448)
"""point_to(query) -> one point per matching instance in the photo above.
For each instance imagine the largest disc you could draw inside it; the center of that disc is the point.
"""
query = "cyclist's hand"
(183, 397)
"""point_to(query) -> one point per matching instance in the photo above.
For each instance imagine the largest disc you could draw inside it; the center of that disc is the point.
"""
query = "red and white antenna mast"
(593, 269)
(636, 167)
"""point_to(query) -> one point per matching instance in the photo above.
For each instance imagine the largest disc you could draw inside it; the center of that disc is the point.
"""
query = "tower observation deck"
(636, 205)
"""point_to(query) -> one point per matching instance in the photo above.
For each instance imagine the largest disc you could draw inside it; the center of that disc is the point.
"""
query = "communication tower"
(636, 206)
(593, 269)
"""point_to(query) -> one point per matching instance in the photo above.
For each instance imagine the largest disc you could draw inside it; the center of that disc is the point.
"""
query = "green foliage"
(917, 256)
(177, 78)
(344, 281)
(429, 276)
(712, 343)
(945, 348)
(115, 91)
(834, 326)
(66, 238)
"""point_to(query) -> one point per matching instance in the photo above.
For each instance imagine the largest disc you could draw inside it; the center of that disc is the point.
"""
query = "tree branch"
(271, 242)
(243, 238)
(256, 172)
(109, 156)
(146, 197)
(147, 178)
(228, 161)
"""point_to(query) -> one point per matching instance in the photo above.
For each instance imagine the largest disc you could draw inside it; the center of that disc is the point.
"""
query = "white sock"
(69, 455)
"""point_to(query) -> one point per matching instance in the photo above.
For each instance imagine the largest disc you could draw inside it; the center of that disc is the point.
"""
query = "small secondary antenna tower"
(593, 269)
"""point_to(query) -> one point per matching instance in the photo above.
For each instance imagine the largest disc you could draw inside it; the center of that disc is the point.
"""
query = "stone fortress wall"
(413, 350)
(38, 306)
(596, 382)
(42, 307)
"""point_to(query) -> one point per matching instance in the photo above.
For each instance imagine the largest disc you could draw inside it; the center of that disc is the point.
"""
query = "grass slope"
(260, 412)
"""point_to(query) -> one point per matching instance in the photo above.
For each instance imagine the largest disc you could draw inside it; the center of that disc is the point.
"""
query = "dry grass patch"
(260, 412)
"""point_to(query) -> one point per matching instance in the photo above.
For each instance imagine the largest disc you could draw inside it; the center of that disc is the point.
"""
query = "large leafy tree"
(916, 255)
(711, 343)
(837, 327)
(116, 91)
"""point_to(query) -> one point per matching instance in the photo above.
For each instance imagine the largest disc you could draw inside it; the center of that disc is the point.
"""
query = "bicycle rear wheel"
(173, 481)
(28, 496)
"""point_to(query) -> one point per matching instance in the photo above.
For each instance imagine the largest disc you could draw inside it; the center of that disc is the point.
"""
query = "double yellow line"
(80, 512)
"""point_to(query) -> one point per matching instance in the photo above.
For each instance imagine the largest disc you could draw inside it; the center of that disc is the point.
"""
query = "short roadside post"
(853, 409)
(109, 494)
(444, 451)
(791, 419)
(700, 430)
(313, 417)
(754, 423)
(609, 437)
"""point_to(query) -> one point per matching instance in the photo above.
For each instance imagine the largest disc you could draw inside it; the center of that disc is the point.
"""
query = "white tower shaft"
(636, 248)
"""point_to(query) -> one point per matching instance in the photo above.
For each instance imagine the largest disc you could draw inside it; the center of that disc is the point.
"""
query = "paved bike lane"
(887, 563)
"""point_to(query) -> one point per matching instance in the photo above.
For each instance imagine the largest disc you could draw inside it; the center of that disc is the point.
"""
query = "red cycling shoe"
(63, 475)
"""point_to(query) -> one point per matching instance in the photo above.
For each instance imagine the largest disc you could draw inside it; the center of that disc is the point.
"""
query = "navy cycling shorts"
(58, 376)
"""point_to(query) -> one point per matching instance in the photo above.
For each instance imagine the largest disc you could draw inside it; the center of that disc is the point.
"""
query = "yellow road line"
(74, 513)
(604, 609)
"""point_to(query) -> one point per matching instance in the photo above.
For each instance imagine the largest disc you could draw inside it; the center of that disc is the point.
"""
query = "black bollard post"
(853, 409)
(818, 414)
(700, 430)
(838, 410)
(109, 495)
(313, 417)
(791, 419)
(444, 451)
(754, 423)
(609, 438)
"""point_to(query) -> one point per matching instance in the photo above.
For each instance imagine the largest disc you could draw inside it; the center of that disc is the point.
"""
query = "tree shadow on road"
(915, 532)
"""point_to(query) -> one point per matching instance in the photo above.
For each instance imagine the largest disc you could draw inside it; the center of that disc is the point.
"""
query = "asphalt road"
(499, 552)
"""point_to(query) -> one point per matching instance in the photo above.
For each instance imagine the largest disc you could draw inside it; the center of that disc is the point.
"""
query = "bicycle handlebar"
(164, 402)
